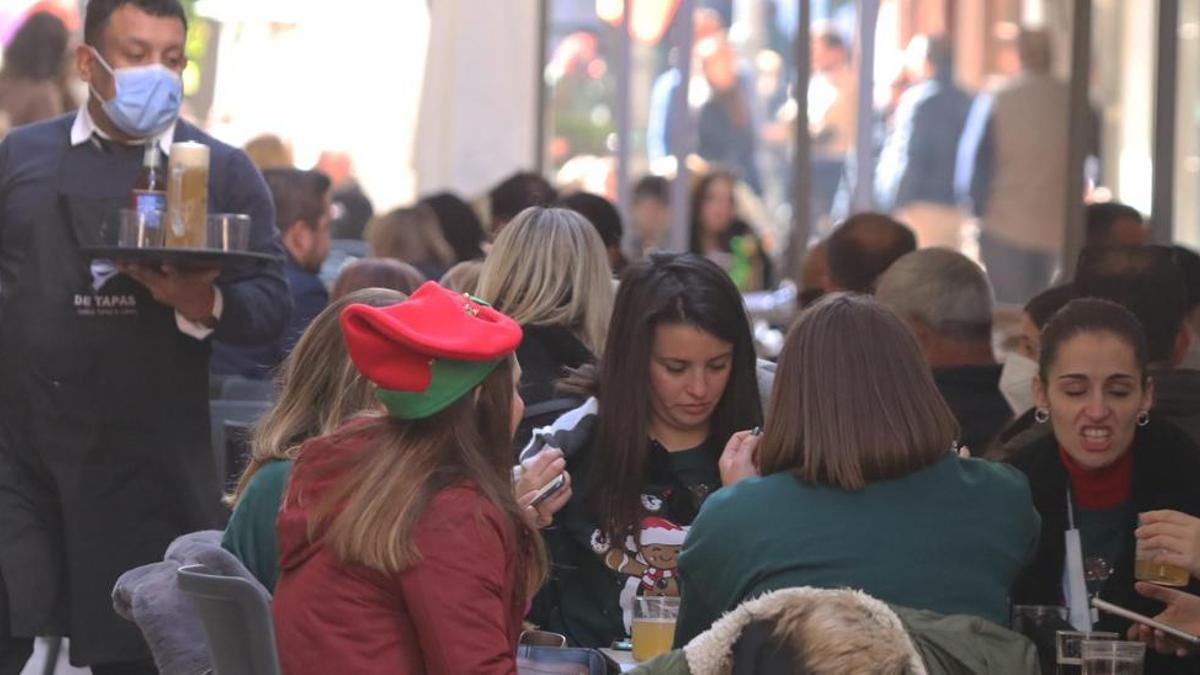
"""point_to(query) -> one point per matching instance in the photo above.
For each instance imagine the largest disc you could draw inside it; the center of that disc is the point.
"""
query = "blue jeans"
(1017, 274)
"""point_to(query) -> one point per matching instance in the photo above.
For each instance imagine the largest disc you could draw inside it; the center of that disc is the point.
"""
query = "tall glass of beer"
(653, 628)
(1163, 574)
(187, 195)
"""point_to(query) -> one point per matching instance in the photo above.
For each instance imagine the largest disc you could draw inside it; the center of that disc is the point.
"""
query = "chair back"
(237, 621)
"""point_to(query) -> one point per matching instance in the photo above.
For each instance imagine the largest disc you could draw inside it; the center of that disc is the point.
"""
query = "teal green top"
(250, 534)
(1103, 535)
(949, 538)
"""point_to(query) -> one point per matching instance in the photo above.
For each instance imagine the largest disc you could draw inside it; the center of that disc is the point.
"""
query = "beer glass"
(187, 195)
(653, 630)
(1163, 574)
(1068, 649)
(1112, 657)
(140, 229)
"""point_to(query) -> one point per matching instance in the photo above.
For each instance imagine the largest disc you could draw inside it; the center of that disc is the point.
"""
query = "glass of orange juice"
(653, 629)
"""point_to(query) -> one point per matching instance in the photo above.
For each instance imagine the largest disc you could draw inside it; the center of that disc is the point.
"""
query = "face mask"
(147, 100)
(1016, 382)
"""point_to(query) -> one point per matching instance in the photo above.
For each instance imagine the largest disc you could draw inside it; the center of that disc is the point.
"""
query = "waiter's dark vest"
(106, 399)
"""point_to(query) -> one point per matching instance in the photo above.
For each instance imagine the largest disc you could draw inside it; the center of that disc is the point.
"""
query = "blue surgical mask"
(147, 100)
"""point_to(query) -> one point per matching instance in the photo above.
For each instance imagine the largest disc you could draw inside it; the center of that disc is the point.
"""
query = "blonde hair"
(549, 267)
(463, 277)
(411, 235)
(319, 389)
(268, 151)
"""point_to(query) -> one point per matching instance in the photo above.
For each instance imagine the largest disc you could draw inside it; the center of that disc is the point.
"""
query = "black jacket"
(1166, 475)
(1177, 397)
(973, 394)
(545, 354)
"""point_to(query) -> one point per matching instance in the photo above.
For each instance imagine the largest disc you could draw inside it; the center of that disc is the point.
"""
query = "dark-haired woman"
(644, 450)
(401, 545)
(1107, 461)
(861, 486)
(460, 225)
(719, 235)
(32, 80)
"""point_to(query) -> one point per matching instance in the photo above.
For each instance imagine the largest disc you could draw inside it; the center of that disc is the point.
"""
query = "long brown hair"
(854, 401)
(373, 511)
(666, 289)
(319, 389)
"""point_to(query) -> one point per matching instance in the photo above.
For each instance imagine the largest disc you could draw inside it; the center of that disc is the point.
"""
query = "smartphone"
(549, 489)
(1187, 637)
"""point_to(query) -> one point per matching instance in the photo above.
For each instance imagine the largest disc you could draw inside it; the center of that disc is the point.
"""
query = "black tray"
(181, 257)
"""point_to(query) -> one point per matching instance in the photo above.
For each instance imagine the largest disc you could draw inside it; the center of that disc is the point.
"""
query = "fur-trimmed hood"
(833, 630)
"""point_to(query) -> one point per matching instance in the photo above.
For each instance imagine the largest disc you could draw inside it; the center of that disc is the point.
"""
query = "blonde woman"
(549, 271)
(411, 235)
(319, 389)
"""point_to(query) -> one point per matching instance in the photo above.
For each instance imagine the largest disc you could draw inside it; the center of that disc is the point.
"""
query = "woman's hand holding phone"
(536, 495)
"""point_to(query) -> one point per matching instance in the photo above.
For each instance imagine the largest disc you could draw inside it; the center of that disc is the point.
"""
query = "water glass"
(140, 229)
(1068, 649)
(1112, 657)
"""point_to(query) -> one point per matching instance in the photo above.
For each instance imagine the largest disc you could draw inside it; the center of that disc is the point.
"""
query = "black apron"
(104, 435)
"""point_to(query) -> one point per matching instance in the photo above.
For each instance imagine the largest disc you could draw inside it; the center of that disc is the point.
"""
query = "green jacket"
(950, 538)
(250, 534)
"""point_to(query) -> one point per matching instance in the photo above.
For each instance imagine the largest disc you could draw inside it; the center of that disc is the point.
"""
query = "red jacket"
(455, 611)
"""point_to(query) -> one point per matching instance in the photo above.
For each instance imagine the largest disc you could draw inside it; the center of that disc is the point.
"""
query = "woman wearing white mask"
(1020, 369)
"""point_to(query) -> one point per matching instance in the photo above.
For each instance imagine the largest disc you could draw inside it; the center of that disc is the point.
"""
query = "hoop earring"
(1143, 418)
(1041, 416)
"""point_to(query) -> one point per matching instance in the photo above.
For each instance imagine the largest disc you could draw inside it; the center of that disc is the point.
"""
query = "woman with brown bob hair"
(861, 485)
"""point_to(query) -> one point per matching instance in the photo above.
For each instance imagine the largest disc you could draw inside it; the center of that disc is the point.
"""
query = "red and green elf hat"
(428, 351)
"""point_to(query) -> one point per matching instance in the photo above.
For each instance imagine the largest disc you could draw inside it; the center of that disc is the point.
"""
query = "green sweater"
(250, 534)
(949, 538)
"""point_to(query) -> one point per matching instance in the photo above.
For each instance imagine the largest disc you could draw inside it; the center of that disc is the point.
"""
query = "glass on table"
(1112, 657)
(653, 629)
(1068, 650)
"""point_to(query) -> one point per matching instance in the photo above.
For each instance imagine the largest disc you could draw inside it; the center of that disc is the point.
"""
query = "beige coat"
(1030, 130)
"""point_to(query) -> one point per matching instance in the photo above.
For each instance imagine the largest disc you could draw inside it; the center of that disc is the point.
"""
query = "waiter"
(104, 433)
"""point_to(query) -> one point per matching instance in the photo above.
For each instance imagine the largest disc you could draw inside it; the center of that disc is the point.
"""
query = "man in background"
(1018, 181)
(302, 208)
(517, 193)
(862, 248)
(915, 179)
(947, 302)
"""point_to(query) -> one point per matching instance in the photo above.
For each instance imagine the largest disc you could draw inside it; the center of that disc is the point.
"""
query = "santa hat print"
(662, 532)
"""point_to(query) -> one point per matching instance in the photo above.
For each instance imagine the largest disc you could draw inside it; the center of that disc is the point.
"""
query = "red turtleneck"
(1104, 488)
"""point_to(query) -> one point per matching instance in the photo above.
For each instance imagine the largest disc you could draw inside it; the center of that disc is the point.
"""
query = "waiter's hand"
(189, 291)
